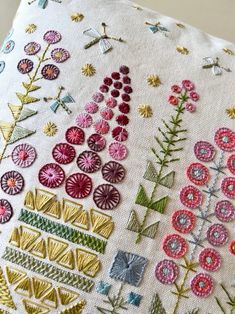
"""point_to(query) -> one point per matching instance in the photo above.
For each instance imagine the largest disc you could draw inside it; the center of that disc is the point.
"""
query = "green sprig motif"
(168, 142)
(230, 302)
(194, 311)
(116, 303)
(156, 305)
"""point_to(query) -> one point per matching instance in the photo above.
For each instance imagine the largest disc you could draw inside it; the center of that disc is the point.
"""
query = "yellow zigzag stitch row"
(72, 212)
(58, 251)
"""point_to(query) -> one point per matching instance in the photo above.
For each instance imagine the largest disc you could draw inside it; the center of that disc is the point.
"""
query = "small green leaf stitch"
(230, 302)
(194, 311)
(156, 305)
(168, 141)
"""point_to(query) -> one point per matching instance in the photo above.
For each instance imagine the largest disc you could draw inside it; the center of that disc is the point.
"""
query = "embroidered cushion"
(117, 164)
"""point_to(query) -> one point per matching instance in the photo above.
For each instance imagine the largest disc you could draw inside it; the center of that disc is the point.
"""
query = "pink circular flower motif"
(32, 48)
(84, 120)
(63, 153)
(106, 197)
(191, 197)
(101, 126)
(204, 151)
(117, 151)
(128, 89)
(106, 113)
(173, 100)
(60, 55)
(126, 97)
(198, 173)
(89, 161)
(91, 107)
(6, 211)
(120, 134)
(115, 75)
(115, 93)
(176, 89)
(23, 155)
(188, 85)
(124, 108)
(225, 139)
(202, 285)
(51, 175)
(228, 187)
(194, 96)
(78, 185)
(50, 72)
(210, 259)
(117, 85)
(224, 211)
(126, 80)
(98, 97)
(231, 163)
(25, 66)
(190, 107)
(124, 69)
(75, 135)
(217, 235)
(96, 142)
(167, 272)
(111, 102)
(52, 37)
(104, 88)
(12, 182)
(183, 221)
(122, 119)
(108, 81)
(175, 246)
(113, 172)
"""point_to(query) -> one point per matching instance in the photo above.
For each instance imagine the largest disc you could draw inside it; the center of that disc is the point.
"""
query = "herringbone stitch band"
(47, 270)
(65, 232)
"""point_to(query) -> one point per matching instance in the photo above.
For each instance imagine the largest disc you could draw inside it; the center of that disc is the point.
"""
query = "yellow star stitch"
(77, 17)
(182, 50)
(88, 70)
(145, 111)
(154, 80)
(231, 112)
(50, 129)
(31, 28)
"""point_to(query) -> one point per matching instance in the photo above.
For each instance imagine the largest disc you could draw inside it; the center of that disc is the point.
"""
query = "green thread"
(230, 302)
(156, 305)
(62, 231)
(47, 270)
(170, 137)
(194, 311)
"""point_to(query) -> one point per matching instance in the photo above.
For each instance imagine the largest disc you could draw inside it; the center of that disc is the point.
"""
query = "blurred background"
(216, 17)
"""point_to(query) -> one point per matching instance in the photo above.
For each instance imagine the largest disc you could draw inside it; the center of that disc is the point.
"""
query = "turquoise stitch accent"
(103, 287)
(47, 270)
(65, 232)
(134, 298)
(128, 267)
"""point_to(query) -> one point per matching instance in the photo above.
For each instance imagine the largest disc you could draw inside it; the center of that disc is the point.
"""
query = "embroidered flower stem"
(117, 302)
(211, 193)
(181, 289)
(8, 129)
(171, 136)
(230, 302)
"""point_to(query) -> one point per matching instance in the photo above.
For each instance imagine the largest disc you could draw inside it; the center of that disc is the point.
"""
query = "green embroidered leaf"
(25, 99)
(151, 173)
(19, 113)
(142, 198)
(30, 87)
(168, 180)
(26, 113)
(103, 311)
(19, 133)
(159, 205)
(194, 311)
(151, 230)
(6, 130)
(156, 305)
(133, 222)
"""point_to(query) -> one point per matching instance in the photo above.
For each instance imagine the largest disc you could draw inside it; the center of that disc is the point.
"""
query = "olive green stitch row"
(65, 232)
(47, 270)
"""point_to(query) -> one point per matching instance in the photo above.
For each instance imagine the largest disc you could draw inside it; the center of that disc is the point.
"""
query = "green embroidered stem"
(117, 302)
(230, 302)
(25, 99)
(62, 231)
(167, 148)
(47, 270)
(156, 305)
(182, 290)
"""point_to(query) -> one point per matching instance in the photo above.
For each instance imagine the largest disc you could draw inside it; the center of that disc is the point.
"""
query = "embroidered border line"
(47, 270)
(65, 232)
